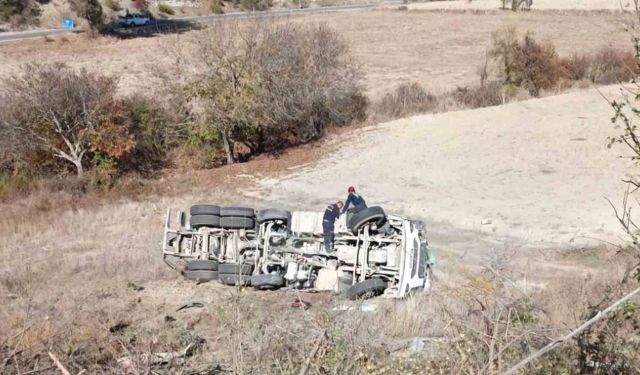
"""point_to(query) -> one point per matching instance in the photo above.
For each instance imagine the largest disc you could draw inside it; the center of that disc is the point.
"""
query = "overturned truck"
(375, 253)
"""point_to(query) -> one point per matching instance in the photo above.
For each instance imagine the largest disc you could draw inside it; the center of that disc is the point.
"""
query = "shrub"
(102, 174)
(300, 3)
(55, 114)
(151, 127)
(610, 65)
(538, 65)
(490, 94)
(255, 4)
(216, 7)
(267, 86)
(91, 10)
(527, 63)
(576, 67)
(406, 99)
(19, 12)
(165, 8)
(19, 182)
(114, 5)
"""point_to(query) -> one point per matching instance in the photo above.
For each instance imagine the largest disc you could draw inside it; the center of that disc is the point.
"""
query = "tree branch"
(561, 340)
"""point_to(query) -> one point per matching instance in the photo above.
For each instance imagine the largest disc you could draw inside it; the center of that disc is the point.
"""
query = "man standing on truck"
(356, 200)
(331, 214)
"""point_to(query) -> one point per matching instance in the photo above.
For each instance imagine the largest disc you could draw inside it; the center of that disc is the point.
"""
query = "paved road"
(8, 37)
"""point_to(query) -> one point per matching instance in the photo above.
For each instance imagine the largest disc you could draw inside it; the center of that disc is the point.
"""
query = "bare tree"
(57, 110)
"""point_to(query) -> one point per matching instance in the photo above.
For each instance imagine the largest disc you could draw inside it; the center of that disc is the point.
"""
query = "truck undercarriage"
(375, 253)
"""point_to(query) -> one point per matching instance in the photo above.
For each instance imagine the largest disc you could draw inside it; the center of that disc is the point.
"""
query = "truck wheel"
(367, 289)
(202, 265)
(371, 214)
(235, 269)
(240, 280)
(211, 221)
(205, 209)
(231, 222)
(238, 212)
(201, 275)
(266, 282)
(273, 214)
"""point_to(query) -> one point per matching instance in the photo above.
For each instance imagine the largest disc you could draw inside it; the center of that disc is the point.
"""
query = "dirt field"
(537, 171)
(440, 50)
(537, 5)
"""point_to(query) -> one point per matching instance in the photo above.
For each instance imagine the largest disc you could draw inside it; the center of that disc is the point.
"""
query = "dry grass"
(431, 48)
(70, 282)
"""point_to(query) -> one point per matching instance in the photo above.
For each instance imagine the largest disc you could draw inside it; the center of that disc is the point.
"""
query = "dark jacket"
(331, 214)
(356, 200)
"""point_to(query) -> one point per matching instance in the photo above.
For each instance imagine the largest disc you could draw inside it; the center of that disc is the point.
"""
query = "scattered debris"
(127, 363)
(134, 286)
(118, 327)
(366, 306)
(150, 359)
(300, 304)
(486, 221)
(190, 305)
(414, 345)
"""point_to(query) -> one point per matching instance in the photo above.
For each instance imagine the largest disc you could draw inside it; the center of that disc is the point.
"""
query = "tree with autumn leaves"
(59, 113)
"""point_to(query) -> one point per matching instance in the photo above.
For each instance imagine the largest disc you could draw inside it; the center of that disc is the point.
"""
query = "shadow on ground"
(156, 27)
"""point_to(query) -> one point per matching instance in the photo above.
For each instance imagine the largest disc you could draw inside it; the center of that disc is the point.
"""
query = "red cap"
(351, 189)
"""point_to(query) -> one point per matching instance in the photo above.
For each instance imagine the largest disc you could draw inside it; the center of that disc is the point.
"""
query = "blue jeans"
(328, 229)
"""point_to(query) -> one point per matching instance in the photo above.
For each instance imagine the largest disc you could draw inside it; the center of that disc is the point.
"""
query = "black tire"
(371, 214)
(273, 214)
(269, 281)
(237, 212)
(229, 279)
(235, 269)
(211, 221)
(205, 209)
(230, 222)
(201, 275)
(344, 283)
(202, 265)
(367, 289)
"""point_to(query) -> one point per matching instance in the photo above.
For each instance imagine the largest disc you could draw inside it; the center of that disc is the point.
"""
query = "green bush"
(216, 7)
(165, 8)
(255, 4)
(150, 127)
(103, 173)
